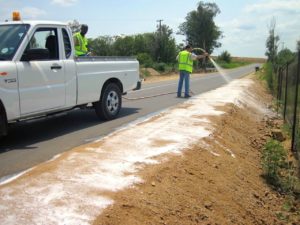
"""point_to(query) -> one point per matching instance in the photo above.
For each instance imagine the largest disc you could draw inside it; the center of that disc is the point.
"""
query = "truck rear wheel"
(109, 105)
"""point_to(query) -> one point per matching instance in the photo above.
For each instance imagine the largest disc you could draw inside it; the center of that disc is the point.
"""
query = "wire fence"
(286, 87)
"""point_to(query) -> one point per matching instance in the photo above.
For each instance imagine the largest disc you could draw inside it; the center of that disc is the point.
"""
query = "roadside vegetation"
(280, 164)
(280, 172)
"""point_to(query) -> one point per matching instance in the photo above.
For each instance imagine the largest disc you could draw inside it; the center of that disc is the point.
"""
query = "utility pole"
(159, 21)
(159, 39)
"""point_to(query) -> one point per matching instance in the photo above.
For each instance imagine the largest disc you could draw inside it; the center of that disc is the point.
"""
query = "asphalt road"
(32, 142)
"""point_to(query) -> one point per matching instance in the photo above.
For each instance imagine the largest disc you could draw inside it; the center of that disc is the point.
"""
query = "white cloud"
(32, 13)
(246, 34)
(64, 2)
(275, 5)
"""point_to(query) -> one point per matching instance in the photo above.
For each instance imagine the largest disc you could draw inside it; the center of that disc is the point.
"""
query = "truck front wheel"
(109, 105)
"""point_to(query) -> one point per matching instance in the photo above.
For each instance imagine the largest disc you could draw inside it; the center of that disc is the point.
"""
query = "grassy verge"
(233, 64)
(281, 173)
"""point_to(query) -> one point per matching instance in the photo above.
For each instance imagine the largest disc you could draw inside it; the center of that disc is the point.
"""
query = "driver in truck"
(81, 42)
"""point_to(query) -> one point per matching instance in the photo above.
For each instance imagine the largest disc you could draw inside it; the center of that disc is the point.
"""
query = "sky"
(245, 24)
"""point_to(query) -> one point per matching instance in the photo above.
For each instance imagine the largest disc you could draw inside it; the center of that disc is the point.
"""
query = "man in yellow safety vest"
(185, 60)
(81, 42)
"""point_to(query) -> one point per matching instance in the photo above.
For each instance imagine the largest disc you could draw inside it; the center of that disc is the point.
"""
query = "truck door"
(41, 74)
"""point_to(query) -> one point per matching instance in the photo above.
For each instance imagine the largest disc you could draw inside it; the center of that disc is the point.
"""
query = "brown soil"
(200, 188)
(161, 77)
(169, 76)
(151, 71)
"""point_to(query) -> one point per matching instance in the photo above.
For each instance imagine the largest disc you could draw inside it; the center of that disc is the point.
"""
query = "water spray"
(219, 69)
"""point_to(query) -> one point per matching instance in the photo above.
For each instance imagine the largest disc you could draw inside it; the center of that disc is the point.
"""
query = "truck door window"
(46, 39)
(67, 43)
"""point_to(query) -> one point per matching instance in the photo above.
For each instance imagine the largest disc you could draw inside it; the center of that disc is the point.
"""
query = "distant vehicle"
(40, 75)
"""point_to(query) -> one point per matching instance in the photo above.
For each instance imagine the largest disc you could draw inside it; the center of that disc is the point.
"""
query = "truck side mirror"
(36, 54)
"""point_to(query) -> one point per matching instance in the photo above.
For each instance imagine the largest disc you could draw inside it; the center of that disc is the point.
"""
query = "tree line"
(160, 46)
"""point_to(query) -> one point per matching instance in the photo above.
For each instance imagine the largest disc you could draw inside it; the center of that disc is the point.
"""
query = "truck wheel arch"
(3, 120)
(110, 101)
(112, 80)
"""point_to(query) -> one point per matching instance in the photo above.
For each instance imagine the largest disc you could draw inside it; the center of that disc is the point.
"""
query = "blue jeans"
(184, 76)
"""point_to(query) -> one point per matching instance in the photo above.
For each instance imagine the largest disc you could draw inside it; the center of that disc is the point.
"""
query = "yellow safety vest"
(185, 61)
(81, 49)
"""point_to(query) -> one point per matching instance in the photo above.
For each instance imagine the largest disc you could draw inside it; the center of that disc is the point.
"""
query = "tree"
(272, 43)
(147, 46)
(124, 46)
(165, 46)
(101, 46)
(200, 29)
(285, 56)
(140, 43)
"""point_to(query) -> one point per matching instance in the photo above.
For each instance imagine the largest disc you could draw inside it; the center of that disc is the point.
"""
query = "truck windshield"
(11, 36)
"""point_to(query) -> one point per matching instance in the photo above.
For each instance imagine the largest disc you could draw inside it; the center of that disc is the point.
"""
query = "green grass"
(273, 159)
(233, 64)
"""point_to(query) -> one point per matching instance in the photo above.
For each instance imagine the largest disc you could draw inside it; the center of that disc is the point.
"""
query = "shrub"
(273, 158)
(145, 59)
(225, 56)
(161, 67)
(279, 172)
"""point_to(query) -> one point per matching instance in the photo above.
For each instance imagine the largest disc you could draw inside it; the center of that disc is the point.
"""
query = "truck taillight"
(16, 16)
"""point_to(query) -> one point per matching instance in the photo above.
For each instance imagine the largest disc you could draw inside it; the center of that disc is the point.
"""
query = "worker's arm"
(202, 56)
(193, 56)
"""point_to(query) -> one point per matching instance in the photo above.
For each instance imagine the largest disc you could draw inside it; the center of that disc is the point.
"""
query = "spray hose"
(199, 49)
(153, 96)
(150, 96)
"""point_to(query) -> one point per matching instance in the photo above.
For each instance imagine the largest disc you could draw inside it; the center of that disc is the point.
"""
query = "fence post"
(279, 88)
(294, 147)
(286, 87)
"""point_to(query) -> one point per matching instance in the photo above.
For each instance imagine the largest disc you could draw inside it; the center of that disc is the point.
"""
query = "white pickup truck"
(40, 76)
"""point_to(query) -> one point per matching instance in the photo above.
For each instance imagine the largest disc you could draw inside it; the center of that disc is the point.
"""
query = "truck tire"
(109, 105)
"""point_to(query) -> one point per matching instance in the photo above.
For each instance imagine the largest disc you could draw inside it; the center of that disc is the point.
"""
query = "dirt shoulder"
(217, 181)
(168, 76)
